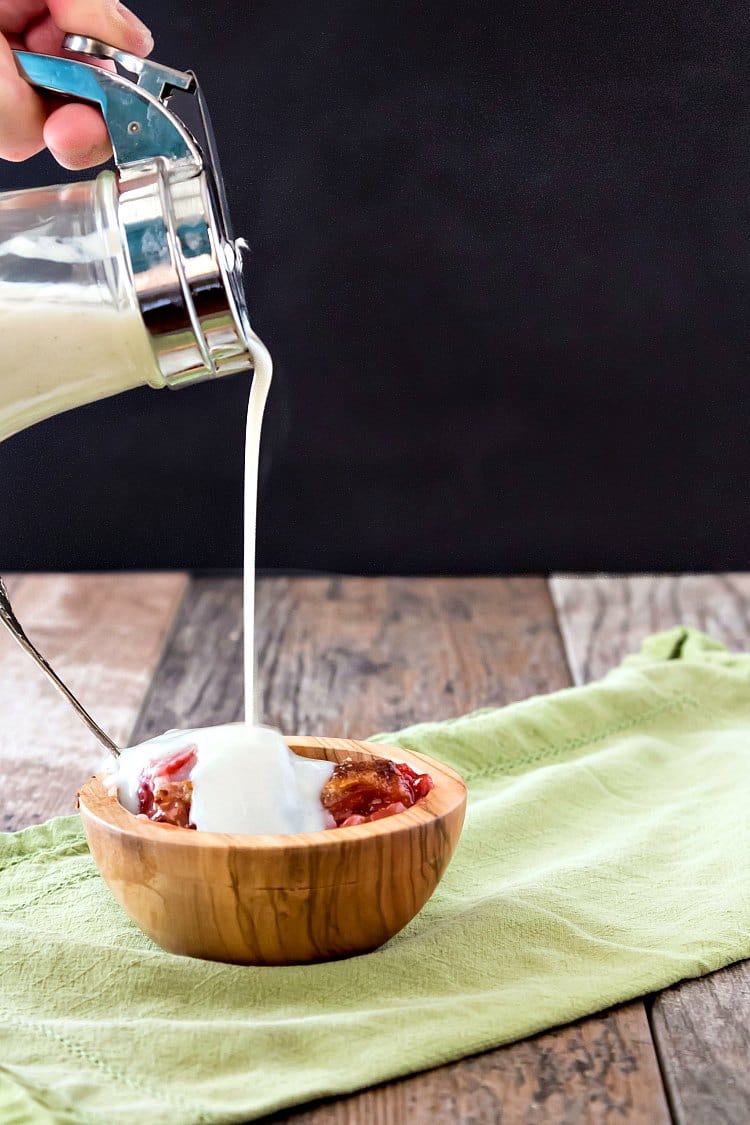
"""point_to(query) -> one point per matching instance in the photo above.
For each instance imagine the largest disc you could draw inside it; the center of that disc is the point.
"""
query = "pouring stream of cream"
(259, 389)
(246, 779)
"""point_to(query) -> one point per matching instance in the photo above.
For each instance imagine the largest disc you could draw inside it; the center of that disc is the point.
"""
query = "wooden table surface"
(349, 656)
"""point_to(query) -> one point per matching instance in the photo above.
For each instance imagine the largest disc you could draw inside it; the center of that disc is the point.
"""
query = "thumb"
(108, 20)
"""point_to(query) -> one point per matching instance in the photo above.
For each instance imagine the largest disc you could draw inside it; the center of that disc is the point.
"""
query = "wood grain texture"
(199, 681)
(348, 657)
(603, 619)
(280, 900)
(700, 1027)
(702, 1032)
(104, 635)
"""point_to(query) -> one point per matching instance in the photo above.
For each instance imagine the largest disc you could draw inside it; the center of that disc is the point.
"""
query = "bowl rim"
(446, 797)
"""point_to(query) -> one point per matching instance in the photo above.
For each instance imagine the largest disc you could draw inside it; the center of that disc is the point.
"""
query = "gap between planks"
(700, 1027)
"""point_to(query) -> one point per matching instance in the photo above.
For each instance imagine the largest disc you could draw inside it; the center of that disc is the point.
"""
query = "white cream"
(246, 779)
(256, 406)
(60, 347)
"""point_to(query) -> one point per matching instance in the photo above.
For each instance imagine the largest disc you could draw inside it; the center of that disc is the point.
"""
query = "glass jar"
(71, 330)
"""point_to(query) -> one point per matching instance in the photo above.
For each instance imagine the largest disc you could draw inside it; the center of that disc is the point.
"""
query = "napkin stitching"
(64, 883)
(81, 1052)
(679, 703)
(71, 848)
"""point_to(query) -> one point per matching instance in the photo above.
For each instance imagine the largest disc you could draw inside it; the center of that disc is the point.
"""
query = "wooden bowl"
(276, 900)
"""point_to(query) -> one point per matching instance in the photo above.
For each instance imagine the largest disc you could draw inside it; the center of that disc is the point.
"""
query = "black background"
(501, 259)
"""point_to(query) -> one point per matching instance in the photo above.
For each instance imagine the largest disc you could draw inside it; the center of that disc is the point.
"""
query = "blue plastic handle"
(140, 126)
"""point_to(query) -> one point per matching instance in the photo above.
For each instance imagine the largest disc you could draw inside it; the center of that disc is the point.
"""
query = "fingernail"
(135, 26)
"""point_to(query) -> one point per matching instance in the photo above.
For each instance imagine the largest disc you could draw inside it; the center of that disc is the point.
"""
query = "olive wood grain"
(351, 656)
(104, 633)
(701, 1026)
(279, 900)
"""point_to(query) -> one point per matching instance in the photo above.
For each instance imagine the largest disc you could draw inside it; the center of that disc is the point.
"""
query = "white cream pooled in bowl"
(245, 779)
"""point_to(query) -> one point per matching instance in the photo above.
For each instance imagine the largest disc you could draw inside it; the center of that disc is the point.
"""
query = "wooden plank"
(702, 1032)
(603, 619)
(700, 1027)
(380, 655)
(103, 633)
(349, 657)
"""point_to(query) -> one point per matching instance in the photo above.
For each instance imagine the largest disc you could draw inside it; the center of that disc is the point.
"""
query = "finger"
(108, 20)
(45, 38)
(16, 15)
(22, 111)
(75, 134)
(77, 137)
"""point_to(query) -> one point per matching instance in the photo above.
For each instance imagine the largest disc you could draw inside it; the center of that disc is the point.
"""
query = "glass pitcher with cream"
(129, 279)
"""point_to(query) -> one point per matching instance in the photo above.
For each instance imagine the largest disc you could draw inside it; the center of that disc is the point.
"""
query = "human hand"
(74, 132)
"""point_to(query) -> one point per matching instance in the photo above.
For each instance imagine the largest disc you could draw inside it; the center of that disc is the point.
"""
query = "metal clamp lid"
(172, 209)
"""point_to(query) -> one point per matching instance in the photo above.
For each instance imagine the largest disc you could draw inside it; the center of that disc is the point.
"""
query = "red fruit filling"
(165, 791)
(356, 792)
(359, 792)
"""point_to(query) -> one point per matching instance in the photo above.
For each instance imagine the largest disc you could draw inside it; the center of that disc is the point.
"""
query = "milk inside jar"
(70, 324)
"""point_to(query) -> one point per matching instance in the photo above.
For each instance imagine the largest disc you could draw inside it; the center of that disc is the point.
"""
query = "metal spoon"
(13, 625)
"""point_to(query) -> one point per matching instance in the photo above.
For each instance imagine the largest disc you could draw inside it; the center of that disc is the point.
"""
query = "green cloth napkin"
(605, 855)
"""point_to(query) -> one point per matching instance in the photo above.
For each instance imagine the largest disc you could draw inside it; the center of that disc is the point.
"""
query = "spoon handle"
(14, 627)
